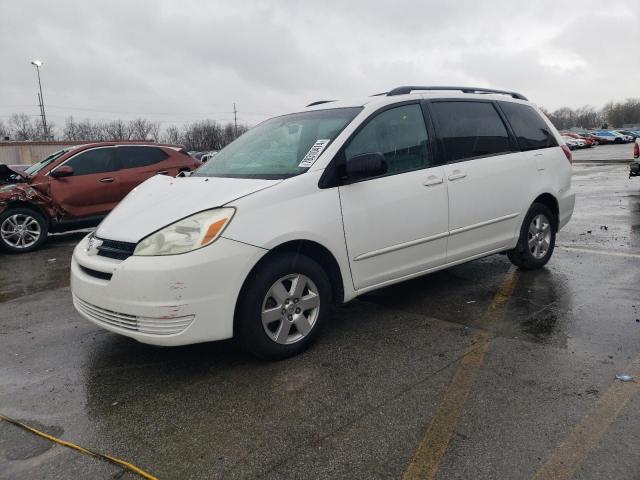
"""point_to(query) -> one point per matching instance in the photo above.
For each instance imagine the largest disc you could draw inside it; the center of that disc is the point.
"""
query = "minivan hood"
(162, 200)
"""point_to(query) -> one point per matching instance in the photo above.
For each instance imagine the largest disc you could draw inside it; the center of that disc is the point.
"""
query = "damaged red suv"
(76, 187)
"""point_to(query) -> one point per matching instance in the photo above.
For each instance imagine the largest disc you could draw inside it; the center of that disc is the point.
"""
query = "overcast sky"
(181, 61)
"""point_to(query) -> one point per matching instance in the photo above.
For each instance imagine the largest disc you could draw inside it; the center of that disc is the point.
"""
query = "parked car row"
(612, 136)
(76, 187)
(586, 139)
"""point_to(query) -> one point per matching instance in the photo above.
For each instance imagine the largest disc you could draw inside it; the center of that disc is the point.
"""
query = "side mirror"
(63, 171)
(365, 166)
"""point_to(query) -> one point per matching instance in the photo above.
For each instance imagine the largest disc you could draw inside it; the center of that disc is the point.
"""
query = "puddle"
(18, 444)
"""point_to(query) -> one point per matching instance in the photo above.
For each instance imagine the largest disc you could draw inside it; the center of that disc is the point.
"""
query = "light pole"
(45, 131)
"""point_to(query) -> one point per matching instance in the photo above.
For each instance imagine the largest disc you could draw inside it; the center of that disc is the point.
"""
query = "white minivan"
(320, 206)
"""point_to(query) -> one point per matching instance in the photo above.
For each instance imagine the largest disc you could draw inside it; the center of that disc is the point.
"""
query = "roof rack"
(319, 102)
(408, 89)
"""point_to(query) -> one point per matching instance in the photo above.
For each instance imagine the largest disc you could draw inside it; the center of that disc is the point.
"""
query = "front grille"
(116, 249)
(133, 323)
(95, 273)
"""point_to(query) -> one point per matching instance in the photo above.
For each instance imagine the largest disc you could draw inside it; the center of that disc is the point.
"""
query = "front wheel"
(537, 239)
(282, 307)
(22, 230)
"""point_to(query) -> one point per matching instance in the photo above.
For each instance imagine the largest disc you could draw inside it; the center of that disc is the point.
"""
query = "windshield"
(281, 147)
(36, 167)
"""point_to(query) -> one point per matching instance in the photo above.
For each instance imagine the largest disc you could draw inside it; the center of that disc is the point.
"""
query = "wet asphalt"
(357, 405)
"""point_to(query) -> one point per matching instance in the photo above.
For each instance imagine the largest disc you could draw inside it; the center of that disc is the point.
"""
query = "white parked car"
(574, 143)
(625, 137)
(208, 156)
(320, 206)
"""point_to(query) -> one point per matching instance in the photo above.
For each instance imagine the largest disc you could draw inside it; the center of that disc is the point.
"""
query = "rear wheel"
(22, 230)
(282, 307)
(537, 239)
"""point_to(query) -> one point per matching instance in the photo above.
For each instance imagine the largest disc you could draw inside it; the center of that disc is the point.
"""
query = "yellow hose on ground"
(108, 458)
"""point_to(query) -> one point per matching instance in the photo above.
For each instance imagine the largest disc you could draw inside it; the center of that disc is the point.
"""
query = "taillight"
(636, 150)
(567, 152)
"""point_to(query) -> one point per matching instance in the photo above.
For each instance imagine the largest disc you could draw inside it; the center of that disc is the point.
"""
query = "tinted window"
(399, 134)
(133, 157)
(531, 131)
(470, 129)
(97, 160)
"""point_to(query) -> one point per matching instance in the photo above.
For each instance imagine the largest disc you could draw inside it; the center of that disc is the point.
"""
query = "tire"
(270, 293)
(22, 230)
(532, 252)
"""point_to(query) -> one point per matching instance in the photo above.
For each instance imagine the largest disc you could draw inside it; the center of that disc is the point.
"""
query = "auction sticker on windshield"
(313, 153)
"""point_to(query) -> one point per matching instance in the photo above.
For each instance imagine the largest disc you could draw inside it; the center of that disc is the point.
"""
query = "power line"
(125, 112)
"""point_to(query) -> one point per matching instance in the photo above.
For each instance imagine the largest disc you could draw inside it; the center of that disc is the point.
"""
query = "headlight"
(188, 234)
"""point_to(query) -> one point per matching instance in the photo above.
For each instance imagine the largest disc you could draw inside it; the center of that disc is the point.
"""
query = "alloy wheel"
(20, 231)
(290, 309)
(539, 236)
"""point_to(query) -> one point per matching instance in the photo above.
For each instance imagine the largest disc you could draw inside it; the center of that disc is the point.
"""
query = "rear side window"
(531, 131)
(134, 157)
(399, 134)
(97, 160)
(470, 129)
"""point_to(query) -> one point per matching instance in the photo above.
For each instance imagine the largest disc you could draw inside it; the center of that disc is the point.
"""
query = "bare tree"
(70, 131)
(204, 135)
(22, 126)
(172, 135)
(142, 129)
(39, 133)
(86, 130)
(117, 130)
(155, 131)
(4, 131)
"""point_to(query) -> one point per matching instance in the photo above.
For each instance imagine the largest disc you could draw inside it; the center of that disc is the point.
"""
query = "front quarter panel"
(295, 209)
(27, 194)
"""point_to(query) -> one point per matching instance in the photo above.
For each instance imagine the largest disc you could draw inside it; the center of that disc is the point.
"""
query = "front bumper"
(164, 300)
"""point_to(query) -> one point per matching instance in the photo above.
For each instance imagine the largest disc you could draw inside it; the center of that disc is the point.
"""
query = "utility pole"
(235, 119)
(45, 130)
(41, 112)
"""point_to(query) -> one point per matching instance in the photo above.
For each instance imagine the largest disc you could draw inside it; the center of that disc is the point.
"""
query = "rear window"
(134, 156)
(470, 129)
(531, 130)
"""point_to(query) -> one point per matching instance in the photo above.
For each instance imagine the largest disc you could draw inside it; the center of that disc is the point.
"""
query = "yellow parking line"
(564, 462)
(433, 447)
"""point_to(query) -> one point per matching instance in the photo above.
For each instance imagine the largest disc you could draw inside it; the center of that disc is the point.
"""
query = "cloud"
(182, 61)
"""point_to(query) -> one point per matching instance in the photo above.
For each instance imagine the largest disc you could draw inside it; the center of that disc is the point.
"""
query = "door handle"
(162, 172)
(457, 174)
(432, 180)
(106, 180)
